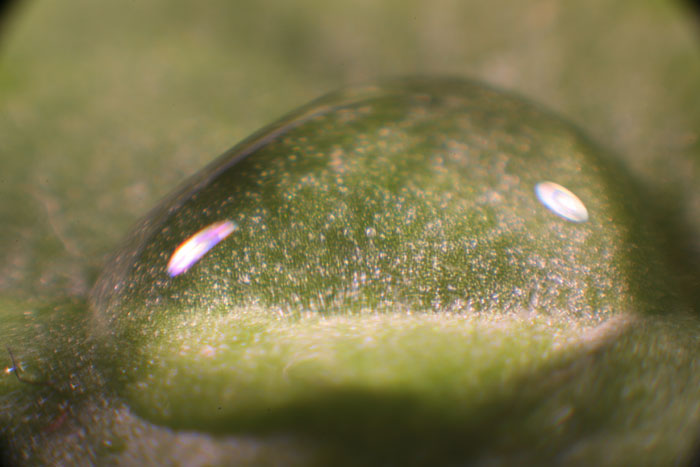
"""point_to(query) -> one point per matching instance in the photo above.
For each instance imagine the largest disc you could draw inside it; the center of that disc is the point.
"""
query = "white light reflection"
(561, 201)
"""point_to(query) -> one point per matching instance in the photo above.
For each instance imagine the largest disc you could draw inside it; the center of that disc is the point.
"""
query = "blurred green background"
(106, 106)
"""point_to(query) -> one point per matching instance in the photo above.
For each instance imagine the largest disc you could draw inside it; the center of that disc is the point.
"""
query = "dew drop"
(386, 236)
(194, 248)
(561, 201)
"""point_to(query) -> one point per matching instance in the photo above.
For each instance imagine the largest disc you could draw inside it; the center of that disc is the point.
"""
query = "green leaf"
(106, 108)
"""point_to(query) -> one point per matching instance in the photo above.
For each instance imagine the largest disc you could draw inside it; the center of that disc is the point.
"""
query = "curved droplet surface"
(372, 222)
(561, 201)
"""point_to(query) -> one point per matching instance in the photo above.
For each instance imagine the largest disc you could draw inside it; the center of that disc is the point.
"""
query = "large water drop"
(357, 216)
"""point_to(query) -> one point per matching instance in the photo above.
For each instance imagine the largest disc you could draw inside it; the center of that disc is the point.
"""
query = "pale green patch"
(214, 372)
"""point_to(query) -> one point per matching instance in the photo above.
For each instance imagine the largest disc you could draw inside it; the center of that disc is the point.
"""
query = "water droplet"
(401, 235)
(194, 248)
(561, 201)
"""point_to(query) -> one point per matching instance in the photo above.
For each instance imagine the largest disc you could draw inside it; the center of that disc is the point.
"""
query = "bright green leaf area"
(106, 107)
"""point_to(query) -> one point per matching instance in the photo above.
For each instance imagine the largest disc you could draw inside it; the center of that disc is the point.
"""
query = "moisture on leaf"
(370, 223)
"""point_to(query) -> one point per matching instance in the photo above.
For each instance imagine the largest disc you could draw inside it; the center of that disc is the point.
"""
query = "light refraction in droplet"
(561, 201)
(194, 248)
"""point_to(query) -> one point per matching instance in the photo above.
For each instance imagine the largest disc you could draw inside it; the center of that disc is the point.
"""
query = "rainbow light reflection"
(194, 248)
